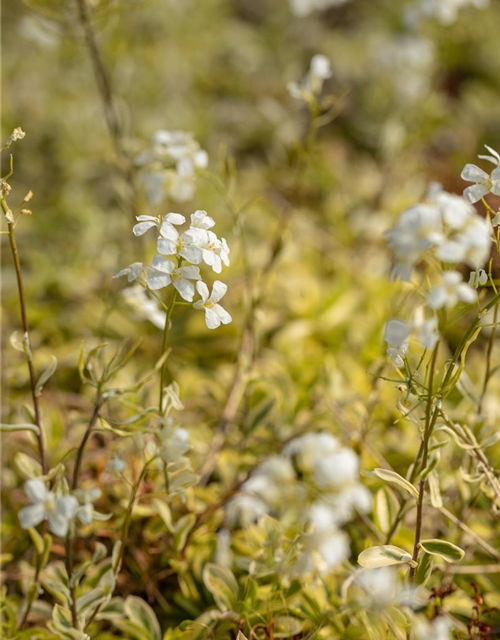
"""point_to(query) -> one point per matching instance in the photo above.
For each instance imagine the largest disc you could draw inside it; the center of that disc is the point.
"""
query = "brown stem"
(24, 318)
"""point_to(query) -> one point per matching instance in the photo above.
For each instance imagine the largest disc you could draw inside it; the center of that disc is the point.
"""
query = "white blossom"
(381, 585)
(451, 290)
(484, 183)
(174, 442)
(135, 271)
(245, 510)
(167, 272)
(426, 329)
(143, 306)
(437, 629)
(302, 8)
(85, 512)
(59, 510)
(188, 245)
(312, 85)
(214, 313)
(201, 220)
(444, 11)
(478, 278)
(115, 464)
(165, 224)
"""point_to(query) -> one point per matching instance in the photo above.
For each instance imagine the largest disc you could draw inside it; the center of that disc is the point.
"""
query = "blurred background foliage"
(415, 104)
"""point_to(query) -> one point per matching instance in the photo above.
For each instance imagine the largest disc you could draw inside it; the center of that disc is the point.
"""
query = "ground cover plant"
(250, 289)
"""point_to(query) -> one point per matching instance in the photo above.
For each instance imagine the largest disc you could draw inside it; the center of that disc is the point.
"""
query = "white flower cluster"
(314, 482)
(171, 165)
(303, 8)
(446, 225)
(59, 509)
(177, 260)
(311, 86)
(484, 183)
(444, 11)
(449, 228)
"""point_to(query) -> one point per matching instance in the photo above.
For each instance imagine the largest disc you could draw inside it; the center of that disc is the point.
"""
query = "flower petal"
(218, 291)
(141, 228)
(158, 281)
(224, 316)
(202, 289)
(212, 318)
(163, 264)
(31, 516)
(185, 288)
(36, 490)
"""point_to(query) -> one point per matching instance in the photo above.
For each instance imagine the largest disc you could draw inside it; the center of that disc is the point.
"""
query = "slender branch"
(166, 331)
(24, 318)
(489, 353)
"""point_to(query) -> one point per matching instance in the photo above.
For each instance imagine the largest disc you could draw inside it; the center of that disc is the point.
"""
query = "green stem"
(24, 319)
(166, 330)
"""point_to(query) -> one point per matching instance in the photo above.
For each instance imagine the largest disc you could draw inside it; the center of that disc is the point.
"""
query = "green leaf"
(222, 585)
(386, 508)
(287, 626)
(46, 375)
(383, 556)
(163, 511)
(424, 569)
(140, 613)
(20, 427)
(27, 466)
(37, 541)
(182, 529)
(442, 548)
(395, 478)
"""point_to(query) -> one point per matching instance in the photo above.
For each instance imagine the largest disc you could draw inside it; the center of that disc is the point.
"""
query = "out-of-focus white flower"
(496, 219)
(381, 585)
(45, 33)
(223, 555)
(478, 278)
(426, 329)
(17, 134)
(174, 442)
(85, 512)
(302, 8)
(273, 481)
(450, 291)
(133, 272)
(115, 464)
(214, 313)
(416, 230)
(396, 334)
(445, 11)
(408, 61)
(447, 225)
(143, 306)
(163, 224)
(305, 450)
(311, 86)
(336, 469)
(187, 246)
(167, 272)
(483, 182)
(58, 510)
(438, 629)
(173, 161)
(245, 510)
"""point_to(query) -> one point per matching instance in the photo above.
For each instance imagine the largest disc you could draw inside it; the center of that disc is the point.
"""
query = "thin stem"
(489, 354)
(29, 357)
(125, 531)
(69, 558)
(430, 421)
(166, 330)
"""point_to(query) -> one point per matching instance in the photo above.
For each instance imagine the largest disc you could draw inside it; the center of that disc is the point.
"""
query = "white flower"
(149, 222)
(305, 450)
(450, 291)
(496, 219)
(426, 329)
(214, 251)
(303, 8)
(214, 313)
(245, 510)
(167, 272)
(438, 629)
(381, 585)
(115, 464)
(472, 244)
(484, 182)
(478, 278)
(174, 442)
(397, 333)
(135, 271)
(85, 513)
(187, 245)
(336, 469)
(58, 510)
(201, 220)
(312, 85)
(144, 307)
